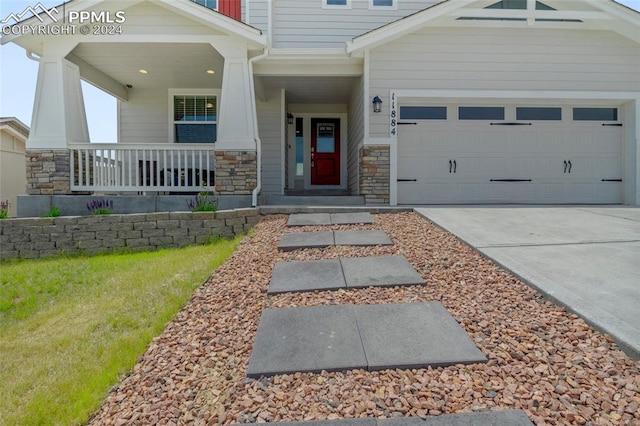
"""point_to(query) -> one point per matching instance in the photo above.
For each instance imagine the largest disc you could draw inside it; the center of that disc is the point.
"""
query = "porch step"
(315, 200)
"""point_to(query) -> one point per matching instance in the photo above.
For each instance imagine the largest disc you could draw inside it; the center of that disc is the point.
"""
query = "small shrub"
(100, 207)
(203, 202)
(53, 212)
(4, 209)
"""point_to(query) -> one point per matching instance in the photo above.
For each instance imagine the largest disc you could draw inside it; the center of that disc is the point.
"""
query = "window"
(423, 113)
(516, 5)
(382, 4)
(539, 113)
(595, 114)
(336, 4)
(211, 4)
(195, 118)
(299, 147)
(481, 113)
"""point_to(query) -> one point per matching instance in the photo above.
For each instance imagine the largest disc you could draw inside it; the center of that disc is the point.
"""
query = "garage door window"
(539, 113)
(423, 113)
(481, 113)
(595, 114)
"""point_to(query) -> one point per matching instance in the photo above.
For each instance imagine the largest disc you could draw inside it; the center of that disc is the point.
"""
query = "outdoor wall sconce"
(289, 118)
(377, 104)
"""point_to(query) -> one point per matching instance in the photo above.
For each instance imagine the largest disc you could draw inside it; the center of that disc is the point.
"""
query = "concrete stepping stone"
(485, 418)
(301, 240)
(379, 271)
(413, 335)
(351, 218)
(306, 276)
(362, 238)
(306, 339)
(343, 337)
(309, 219)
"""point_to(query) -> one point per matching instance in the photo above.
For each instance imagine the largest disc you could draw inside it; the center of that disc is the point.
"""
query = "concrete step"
(314, 200)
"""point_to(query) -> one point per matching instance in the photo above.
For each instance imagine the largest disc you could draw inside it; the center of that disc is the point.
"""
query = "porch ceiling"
(306, 90)
(179, 65)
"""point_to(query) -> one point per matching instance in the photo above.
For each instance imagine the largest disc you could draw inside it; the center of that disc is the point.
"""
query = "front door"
(325, 151)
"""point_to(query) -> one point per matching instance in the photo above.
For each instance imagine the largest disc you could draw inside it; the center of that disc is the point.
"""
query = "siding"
(270, 129)
(356, 134)
(258, 15)
(503, 59)
(305, 24)
(143, 118)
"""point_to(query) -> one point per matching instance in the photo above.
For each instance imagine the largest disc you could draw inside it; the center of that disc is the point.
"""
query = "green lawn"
(70, 328)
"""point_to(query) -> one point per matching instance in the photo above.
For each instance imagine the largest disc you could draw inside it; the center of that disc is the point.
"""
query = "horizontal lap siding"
(143, 118)
(356, 133)
(258, 14)
(146, 18)
(503, 59)
(270, 127)
(305, 24)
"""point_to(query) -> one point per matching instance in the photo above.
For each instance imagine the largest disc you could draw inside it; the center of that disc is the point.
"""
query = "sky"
(18, 75)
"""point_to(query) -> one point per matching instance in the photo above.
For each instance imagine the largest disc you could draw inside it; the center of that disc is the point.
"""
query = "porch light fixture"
(143, 71)
(289, 118)
(211, 72)
(377, 104)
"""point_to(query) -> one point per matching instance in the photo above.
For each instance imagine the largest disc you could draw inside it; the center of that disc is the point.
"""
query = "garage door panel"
(454, 161)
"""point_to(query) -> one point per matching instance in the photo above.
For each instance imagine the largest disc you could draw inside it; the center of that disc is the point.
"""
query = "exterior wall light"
(377, 104)
(289, 118)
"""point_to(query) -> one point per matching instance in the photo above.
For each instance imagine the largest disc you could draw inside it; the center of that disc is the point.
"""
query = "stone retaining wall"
(32, 238)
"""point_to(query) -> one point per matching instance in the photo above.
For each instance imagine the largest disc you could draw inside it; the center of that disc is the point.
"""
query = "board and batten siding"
(305, 24)
(144, 117)
(502, 59)
(270, 126)
(356, 134)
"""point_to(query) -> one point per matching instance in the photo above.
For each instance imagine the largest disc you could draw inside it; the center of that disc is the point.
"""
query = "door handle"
(312, 164)
(569, 162)
(450, 165)
(565, 166)
(455, 166)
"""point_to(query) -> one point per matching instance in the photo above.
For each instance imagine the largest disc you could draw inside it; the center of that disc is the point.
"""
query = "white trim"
(367, 95)
(284, 131)
(347, 5)
(515, 94)
(394, 6)
(190, 92)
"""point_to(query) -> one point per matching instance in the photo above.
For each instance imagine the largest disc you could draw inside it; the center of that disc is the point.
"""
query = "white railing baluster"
(140, 168)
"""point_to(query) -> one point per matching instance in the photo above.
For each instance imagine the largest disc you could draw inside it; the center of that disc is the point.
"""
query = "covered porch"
(185, 99)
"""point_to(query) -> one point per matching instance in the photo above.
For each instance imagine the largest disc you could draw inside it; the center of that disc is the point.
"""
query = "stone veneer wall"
(48, 172)
(236, 172)
(46, 237)
(374, 173)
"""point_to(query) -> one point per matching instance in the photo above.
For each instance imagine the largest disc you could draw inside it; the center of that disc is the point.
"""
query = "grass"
(70, 328)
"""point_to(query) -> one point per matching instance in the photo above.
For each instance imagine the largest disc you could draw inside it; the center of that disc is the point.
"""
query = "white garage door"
(509, 154)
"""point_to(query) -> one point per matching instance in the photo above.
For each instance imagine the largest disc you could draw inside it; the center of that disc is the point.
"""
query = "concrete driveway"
(585, 258)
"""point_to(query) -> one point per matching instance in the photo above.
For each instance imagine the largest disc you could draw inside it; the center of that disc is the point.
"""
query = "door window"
(326, 143)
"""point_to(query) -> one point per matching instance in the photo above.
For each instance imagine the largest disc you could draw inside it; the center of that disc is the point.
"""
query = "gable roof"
(626, 22)
(188, 8)
(18, 127)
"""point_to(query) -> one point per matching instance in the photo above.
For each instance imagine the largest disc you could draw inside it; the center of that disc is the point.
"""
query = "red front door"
(325, 151)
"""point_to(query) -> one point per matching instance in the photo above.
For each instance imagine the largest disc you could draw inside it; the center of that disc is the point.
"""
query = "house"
(393, 101)
(13, 181)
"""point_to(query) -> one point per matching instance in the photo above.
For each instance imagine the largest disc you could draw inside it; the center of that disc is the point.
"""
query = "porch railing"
(140, 168)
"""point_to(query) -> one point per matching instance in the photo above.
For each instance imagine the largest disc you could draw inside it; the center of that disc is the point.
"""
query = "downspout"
(254, 112)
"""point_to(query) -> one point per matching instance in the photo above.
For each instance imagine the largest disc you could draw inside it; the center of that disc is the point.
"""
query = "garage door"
(509, 154)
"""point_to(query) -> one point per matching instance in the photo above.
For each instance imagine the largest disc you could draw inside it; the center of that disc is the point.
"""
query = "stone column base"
(48, 172)
(375, 169)
(236, 172)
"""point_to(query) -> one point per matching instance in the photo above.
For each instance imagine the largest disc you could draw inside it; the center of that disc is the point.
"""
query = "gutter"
(254, 113)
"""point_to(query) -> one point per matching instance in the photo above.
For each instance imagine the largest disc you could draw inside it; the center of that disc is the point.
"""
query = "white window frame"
(190, 92)
(347, 5)
(394, 6)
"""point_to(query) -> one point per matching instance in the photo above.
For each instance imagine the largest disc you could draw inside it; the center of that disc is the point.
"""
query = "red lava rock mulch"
(543, 360)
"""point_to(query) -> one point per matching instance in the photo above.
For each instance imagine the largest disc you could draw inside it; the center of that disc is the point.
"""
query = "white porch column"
(235, 119)
(59, 115)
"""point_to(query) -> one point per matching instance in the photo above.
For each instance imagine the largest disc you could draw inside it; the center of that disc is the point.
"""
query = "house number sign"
(393, 116)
